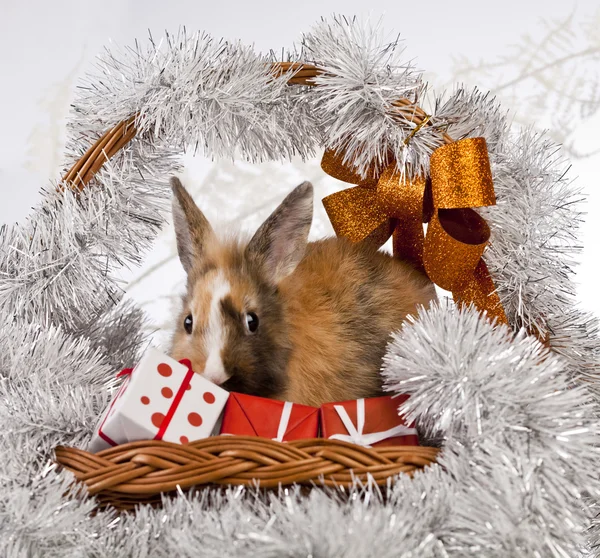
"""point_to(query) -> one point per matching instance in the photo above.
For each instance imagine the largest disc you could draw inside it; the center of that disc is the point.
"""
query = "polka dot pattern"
(194, 411)
(157, 419)
(194, 419)
(164, 369)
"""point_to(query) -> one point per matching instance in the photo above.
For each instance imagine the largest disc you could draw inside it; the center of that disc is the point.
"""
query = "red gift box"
(368, 422)
(247, 415)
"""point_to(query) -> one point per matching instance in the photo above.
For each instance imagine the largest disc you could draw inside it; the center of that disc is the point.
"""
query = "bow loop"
(355, 213)
(334, 164)
(374, 210)
(461, 175)
(456, 239)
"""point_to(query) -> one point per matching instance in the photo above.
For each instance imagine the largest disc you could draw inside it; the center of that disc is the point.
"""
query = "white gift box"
(161, 399)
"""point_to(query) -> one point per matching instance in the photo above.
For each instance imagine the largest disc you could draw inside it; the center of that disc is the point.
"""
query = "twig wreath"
(516, 420)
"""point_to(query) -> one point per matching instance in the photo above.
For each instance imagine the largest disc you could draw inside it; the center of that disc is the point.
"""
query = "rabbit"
(284, 318)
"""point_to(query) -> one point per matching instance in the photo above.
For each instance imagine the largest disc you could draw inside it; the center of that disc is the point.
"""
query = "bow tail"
(481, 292)
(454, 245)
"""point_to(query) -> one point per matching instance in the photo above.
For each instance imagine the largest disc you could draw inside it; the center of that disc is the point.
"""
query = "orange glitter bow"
(450, 253)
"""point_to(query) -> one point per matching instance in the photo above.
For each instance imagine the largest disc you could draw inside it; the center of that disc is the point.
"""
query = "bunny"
(284, 318)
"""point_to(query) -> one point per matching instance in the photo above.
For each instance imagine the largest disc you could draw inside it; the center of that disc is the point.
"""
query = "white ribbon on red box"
(355, 433)
(284, 421)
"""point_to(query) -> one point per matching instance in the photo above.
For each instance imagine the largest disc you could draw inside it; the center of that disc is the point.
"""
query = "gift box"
(247, 415)
(160, 399)
(368, 422)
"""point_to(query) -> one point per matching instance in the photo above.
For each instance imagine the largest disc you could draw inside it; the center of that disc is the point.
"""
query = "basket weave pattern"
(138, 472)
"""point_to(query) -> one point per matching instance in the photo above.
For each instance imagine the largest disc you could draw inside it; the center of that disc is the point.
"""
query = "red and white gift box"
(368, 422)
(247, 415)
(161, 399)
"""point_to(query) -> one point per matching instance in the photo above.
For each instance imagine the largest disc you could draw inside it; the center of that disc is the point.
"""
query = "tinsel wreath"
(518, 422)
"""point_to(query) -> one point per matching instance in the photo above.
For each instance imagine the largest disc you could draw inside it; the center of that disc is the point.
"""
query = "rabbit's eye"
(188, 323)
(251, 322)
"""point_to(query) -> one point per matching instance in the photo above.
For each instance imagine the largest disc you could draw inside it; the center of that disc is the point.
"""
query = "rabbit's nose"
(214, 370)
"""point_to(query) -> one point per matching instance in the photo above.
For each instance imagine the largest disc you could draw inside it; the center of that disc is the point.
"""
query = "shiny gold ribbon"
(451, 252)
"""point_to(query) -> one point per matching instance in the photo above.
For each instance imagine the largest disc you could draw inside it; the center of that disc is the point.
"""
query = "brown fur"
(324, 322)
(344, 300)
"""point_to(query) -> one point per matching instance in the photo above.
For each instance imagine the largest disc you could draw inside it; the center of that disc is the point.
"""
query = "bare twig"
(555, 81)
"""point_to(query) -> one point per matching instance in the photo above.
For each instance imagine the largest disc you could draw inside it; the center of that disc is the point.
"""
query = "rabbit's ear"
(192, 229)
(280, 242)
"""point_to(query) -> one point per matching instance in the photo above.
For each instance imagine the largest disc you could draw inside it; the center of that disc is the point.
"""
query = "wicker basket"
(139, 472)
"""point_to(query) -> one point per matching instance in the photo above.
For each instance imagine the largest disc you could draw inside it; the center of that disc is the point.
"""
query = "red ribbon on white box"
(176, 400)
(355, 433)
(284, 421)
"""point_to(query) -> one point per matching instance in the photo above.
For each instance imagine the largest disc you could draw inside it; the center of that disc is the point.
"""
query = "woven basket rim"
(139, 472)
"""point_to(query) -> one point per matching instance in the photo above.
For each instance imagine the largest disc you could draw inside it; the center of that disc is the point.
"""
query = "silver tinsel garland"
(518, 425)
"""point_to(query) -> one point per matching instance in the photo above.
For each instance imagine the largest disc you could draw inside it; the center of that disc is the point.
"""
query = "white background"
(541, 58)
